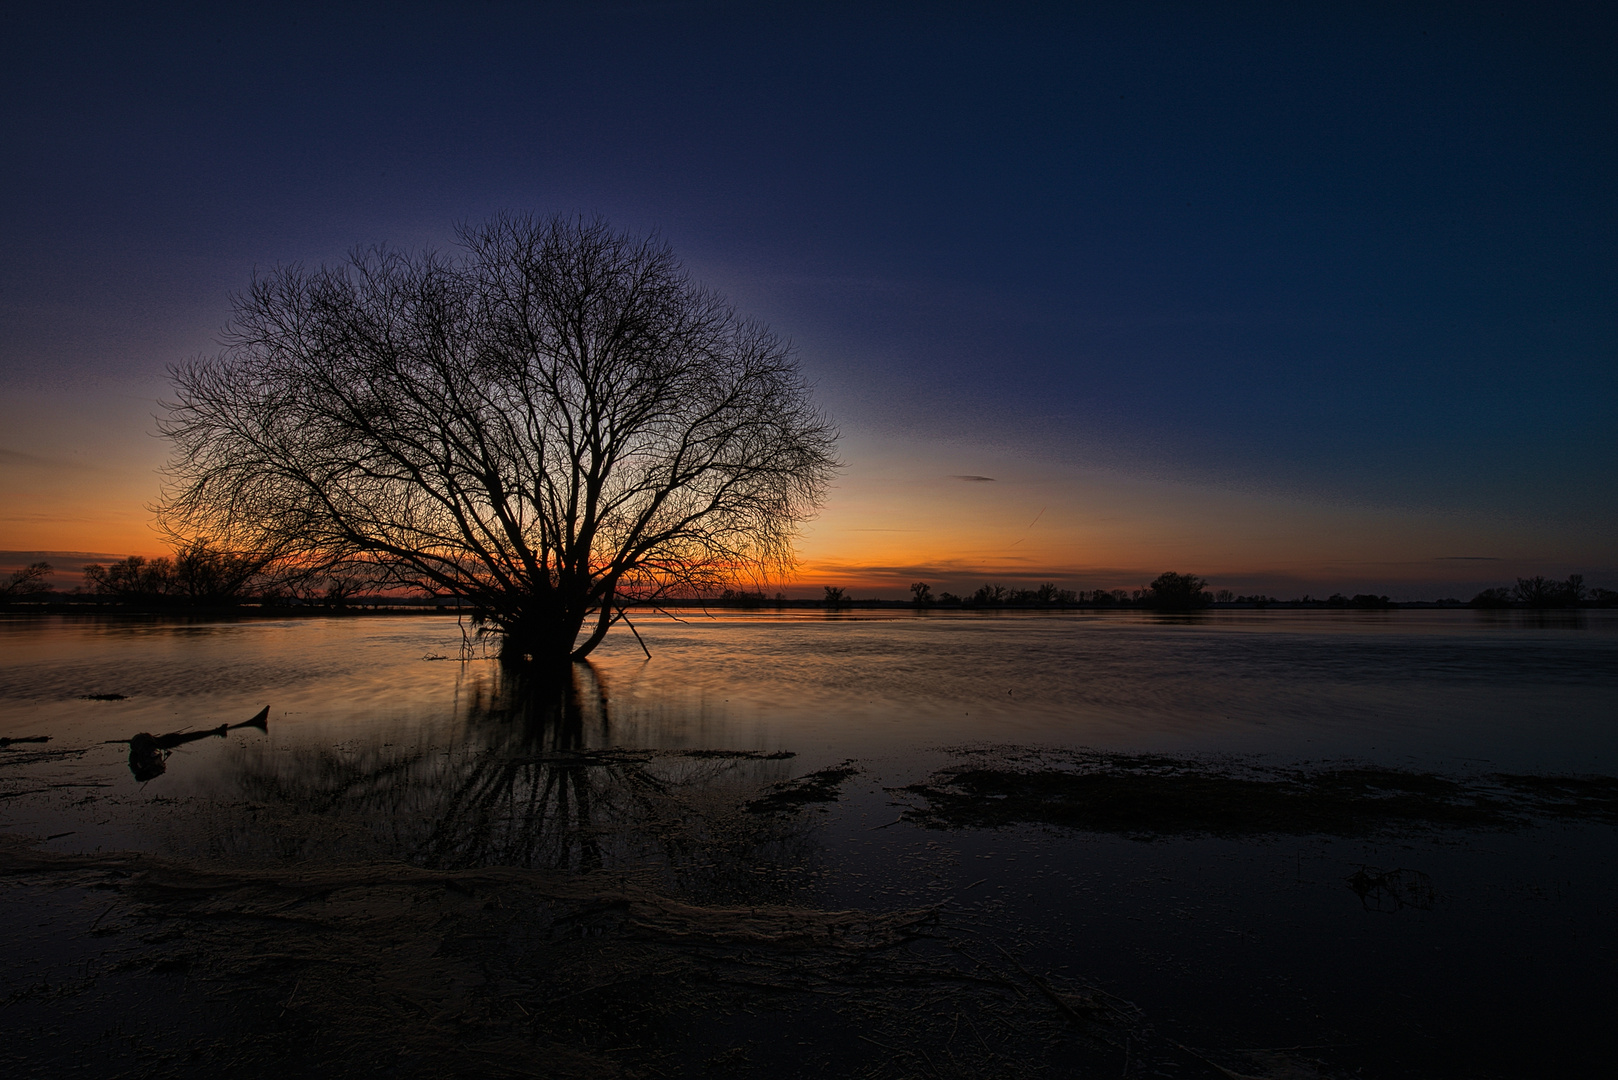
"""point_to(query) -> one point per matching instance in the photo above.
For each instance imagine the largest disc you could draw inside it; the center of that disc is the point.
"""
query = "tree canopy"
(545, 423)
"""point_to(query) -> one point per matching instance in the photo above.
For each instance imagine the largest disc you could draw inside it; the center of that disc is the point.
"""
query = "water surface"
(382, 746)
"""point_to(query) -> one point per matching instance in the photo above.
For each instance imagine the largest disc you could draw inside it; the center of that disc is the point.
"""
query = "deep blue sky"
(1362, 256)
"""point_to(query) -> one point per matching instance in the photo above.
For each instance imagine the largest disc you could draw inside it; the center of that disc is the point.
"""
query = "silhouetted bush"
(1541, 592)
(198, 574)
(1177, 592)
(29, 581)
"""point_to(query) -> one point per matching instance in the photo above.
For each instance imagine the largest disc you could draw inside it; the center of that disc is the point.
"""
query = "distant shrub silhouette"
(29, 581)
(1539, 592)
(134, 578)
(921, 594)
(1046, 595)
(197, 574)
(1177, 592)
(1542, 592)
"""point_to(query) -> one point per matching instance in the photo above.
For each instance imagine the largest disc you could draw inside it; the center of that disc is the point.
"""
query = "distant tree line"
(1542, 592)
(200, 575)
(1169, 592)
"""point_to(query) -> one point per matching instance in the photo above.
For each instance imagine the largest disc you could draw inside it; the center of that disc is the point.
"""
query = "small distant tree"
(1542, 592)
(835, 596)
(990, 595)
(197, 574)
(133, 579)
(29, 581)
(205, 575)
(1536, 591)
(1224, 596)
(921, 594)
(1176, 592)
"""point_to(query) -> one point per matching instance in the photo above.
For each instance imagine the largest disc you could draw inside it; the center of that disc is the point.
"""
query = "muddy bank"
(401, 971)
(1149, 795)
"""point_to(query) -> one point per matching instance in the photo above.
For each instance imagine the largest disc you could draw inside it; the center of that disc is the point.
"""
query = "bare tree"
(544, 425)
(29, 581)
(198, 574)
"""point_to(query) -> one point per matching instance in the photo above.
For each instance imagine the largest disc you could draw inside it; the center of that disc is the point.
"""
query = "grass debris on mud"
(1148, 795)
(404, 971)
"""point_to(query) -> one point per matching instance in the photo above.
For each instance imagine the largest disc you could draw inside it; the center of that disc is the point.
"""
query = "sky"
(1297, 297)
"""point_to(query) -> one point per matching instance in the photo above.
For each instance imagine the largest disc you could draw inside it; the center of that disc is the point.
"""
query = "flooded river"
(1358, 843)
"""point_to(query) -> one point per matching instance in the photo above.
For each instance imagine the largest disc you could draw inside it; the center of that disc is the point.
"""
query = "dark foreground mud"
(1151, 795)
(636, 913)
(398, 971)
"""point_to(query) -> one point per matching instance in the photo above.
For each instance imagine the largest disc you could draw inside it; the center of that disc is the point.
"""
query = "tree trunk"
(541, 632)
(603, 622)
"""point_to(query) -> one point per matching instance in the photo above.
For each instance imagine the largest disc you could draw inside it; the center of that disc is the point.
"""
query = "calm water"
(1510, 690)
(374, 751)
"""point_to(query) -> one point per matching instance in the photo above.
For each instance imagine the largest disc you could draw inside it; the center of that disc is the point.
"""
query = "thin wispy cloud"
(973, 479)
(18, 459)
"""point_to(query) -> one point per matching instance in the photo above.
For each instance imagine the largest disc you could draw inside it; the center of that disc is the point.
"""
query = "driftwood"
(148, 754)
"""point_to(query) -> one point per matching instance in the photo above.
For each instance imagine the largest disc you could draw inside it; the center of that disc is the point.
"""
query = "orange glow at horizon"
(953, 516)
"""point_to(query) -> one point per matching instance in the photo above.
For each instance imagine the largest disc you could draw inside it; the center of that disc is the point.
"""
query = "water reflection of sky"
(355, 698)
(1440, 685)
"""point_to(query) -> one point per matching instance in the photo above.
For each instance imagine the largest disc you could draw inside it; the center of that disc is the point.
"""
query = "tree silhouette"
(546, 425)
(1177, 592)
(29, 581)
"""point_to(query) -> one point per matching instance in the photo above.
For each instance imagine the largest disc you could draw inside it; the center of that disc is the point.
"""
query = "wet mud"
(529, 905)
(816, 787)
(1146, 795)
(402, 971)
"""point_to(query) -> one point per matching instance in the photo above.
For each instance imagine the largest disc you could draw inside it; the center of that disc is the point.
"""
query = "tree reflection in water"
(529, 777)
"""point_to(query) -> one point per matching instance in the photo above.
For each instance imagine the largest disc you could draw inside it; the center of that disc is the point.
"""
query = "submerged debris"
(1148, 794)
(740, 755)
(148, 753)
(815, 787)
(103, 697)
(1392, 890)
